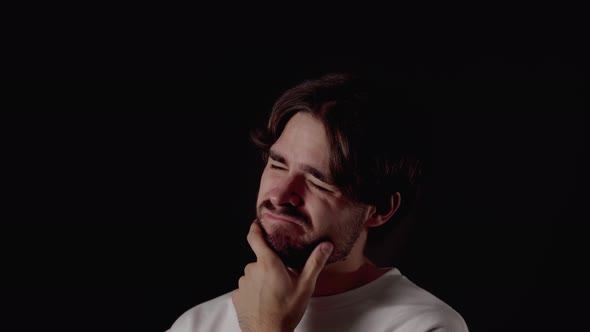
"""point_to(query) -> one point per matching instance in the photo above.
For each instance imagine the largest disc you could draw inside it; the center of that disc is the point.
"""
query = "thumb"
(315, 263)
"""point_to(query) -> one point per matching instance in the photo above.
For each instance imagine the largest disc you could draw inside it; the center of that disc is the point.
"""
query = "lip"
(282, 218)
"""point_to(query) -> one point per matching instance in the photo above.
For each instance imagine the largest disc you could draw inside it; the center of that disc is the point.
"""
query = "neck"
(336, 282)
(353, 272)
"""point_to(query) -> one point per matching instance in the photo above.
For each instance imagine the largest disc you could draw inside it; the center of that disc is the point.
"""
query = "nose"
(285, 192)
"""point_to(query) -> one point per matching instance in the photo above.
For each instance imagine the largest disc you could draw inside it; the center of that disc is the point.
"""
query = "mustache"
(289, 211)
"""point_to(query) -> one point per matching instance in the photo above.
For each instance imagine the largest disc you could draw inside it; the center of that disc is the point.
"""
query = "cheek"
(322, 214)
(264, 186)
(332, 216)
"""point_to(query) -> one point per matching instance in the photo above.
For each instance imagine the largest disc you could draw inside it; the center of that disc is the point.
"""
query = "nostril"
(296, 201)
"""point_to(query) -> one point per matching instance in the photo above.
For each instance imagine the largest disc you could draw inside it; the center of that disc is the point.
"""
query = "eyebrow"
(306, 168)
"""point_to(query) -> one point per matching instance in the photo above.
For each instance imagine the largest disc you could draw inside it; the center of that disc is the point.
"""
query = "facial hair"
(295, 254)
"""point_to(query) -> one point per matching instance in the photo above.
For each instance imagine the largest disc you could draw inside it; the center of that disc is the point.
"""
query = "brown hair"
(372, 130)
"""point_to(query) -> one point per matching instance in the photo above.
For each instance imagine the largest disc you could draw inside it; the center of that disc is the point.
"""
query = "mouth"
(282, 219)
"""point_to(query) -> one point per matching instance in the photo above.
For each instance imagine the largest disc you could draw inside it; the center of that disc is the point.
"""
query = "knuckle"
(250, 237)
(241, 282)
(315, 262)
(248, 269)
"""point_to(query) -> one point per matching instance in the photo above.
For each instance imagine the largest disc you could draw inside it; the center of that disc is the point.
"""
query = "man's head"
(335, 167)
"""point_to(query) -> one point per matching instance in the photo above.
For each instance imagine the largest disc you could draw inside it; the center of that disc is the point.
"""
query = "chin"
(281, 238)
(292, 252)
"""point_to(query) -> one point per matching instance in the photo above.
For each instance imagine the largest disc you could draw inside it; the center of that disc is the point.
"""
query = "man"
(339, 165)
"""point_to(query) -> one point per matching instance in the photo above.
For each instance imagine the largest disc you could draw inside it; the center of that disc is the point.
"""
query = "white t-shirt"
(390, 303)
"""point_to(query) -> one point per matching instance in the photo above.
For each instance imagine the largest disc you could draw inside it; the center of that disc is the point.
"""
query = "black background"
(127, 203)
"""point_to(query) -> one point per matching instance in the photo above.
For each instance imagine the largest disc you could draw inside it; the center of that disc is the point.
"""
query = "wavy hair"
(375, 136)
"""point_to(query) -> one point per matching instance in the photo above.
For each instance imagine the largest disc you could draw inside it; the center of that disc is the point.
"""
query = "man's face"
(298, 206)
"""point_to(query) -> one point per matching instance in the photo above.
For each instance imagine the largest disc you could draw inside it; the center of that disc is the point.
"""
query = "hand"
(270, 296)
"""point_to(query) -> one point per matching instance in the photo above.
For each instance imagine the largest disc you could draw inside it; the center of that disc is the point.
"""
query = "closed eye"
(273, 166)
(319, 187)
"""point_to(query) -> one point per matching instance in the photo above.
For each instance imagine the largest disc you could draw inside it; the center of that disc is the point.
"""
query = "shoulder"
(206, 316)
(440, 318)
(423, 310)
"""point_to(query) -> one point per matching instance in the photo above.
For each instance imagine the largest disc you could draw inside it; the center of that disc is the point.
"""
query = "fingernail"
(326, 248)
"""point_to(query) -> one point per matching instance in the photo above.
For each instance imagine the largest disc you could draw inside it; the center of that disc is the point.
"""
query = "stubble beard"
(295, 253)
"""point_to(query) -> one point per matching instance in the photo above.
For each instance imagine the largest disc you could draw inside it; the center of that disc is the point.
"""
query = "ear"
(376, 219)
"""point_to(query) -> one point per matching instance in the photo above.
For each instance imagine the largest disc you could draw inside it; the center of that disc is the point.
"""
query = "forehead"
(304, 141)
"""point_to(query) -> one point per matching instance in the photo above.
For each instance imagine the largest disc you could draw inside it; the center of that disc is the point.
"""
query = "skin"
(298, 206)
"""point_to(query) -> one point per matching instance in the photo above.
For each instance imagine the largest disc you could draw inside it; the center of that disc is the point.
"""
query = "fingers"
(259, 246)
(315, 263)
(235, 294)
(241, 282)
(249, 268)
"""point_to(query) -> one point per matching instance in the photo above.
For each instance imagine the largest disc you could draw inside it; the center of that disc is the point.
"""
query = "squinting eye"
(318, 187)
(273, 166)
